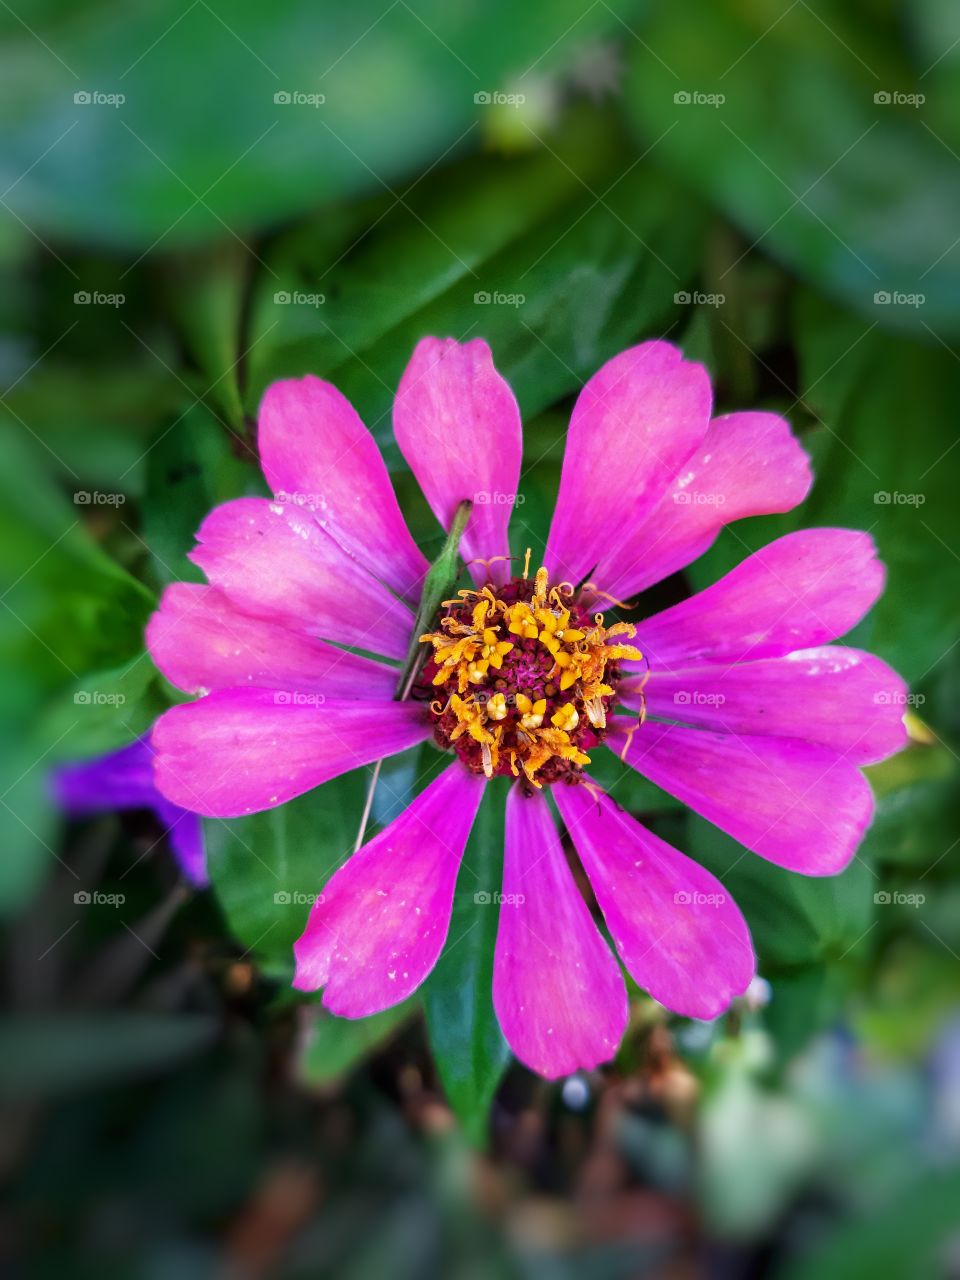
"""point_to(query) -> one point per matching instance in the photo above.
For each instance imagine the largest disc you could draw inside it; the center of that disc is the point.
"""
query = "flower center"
(526, 677)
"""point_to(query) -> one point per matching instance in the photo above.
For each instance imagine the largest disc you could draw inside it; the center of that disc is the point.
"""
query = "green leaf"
(906, 1239)
(195, 464)
(794, 919)
(267, 869)
(332, 1046)
(866, 389)
(178, 163)
(468, 1046)
(852, 194)
(50, 1055)
(103, 710)
(578, 250)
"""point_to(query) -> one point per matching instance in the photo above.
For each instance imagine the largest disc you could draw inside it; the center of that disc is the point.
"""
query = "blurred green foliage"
(170, 1105)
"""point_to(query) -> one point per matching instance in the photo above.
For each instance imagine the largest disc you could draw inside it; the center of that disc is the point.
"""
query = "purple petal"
(557, 989)
(377, 929)
(635, 423)
(458, 426)
(840, 698)
(749, 464)
(201, 642)
(317, 453)
(242, 750)
(124, 780)
(803, 590)
(677, 930)
(800, 805)
(275, 562)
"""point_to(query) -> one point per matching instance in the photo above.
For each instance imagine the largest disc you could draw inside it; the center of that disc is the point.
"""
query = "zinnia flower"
(121, 780)
(752, 718)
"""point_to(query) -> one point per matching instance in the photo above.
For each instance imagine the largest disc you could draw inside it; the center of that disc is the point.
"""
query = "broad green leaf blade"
(794, 919)
(469, 1048)
(332, 1046)
(517, 251)
(195, 464)
(267, 869)
(788, 139)
(45, 1055)
(288, 106)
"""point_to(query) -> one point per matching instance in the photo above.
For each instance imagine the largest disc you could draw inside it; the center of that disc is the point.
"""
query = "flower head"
(734, 700)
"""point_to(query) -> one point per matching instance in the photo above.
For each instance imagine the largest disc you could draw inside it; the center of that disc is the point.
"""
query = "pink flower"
(754, 719)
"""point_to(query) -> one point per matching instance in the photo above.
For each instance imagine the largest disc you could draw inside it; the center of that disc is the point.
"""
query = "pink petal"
(801, 591)
(458, 426)
(749, 464)
(677, 930)
(800, 805)
(242, 750)
(274, 561)
(201, 642)
(557, 990)
(316, 452)
(378, 927)
(635, 423)
(841, 698)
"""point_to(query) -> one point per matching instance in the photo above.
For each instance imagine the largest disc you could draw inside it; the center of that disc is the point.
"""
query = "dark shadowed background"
(198, 198)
